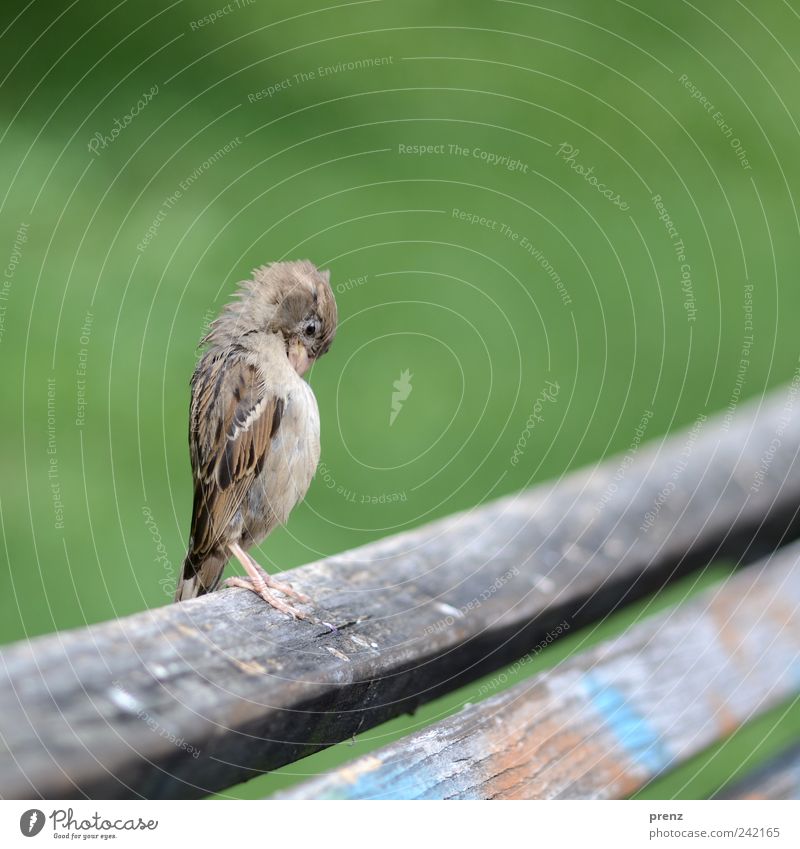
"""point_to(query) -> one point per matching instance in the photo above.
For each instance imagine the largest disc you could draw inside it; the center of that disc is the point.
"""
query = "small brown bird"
(254, 424)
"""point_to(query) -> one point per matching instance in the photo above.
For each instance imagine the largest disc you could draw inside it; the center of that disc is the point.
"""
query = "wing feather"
(234, 419)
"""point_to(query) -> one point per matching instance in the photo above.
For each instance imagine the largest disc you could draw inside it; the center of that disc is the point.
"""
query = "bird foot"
(261, 582)
(260, 588)
(282, 586)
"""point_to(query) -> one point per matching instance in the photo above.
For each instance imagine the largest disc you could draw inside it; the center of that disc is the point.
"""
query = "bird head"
(293, 299)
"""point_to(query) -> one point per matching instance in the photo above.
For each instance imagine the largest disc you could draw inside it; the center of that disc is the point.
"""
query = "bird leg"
(275, 584)
(260, 581)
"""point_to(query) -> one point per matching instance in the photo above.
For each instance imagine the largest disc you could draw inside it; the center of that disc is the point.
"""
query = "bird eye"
(311, 328)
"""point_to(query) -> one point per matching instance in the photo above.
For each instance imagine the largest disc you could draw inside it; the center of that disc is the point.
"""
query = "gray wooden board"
(607, 721)
(113, 709)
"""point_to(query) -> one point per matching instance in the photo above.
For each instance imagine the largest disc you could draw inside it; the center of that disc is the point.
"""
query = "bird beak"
(298, 356)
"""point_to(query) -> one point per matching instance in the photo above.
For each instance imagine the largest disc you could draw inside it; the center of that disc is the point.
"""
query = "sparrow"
(254, 425)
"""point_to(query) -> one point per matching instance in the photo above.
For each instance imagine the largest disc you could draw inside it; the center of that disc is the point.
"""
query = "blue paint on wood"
(638, 738)
(391, 780)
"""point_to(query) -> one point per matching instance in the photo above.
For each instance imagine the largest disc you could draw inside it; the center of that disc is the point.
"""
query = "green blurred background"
(246, 152)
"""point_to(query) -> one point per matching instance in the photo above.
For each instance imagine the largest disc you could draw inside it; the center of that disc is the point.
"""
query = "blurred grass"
(317, 172)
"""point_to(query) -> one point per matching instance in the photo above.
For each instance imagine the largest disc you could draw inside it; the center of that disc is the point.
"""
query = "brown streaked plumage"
(254, 424)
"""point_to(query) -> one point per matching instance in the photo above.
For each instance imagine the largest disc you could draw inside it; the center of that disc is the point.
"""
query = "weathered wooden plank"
(113, 709)
(604, 723)
(779, 778)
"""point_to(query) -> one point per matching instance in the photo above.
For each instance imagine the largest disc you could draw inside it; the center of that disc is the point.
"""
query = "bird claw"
(260, 582)
(261, 590)
(284, 588)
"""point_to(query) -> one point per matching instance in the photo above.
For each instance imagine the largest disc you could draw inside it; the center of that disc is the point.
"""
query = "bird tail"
(199, 577)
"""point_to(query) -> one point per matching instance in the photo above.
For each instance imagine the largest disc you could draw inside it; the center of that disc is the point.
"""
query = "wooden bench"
(190, 699)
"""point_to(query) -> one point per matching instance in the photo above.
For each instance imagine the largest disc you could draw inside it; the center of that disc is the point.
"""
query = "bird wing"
(234, 417)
